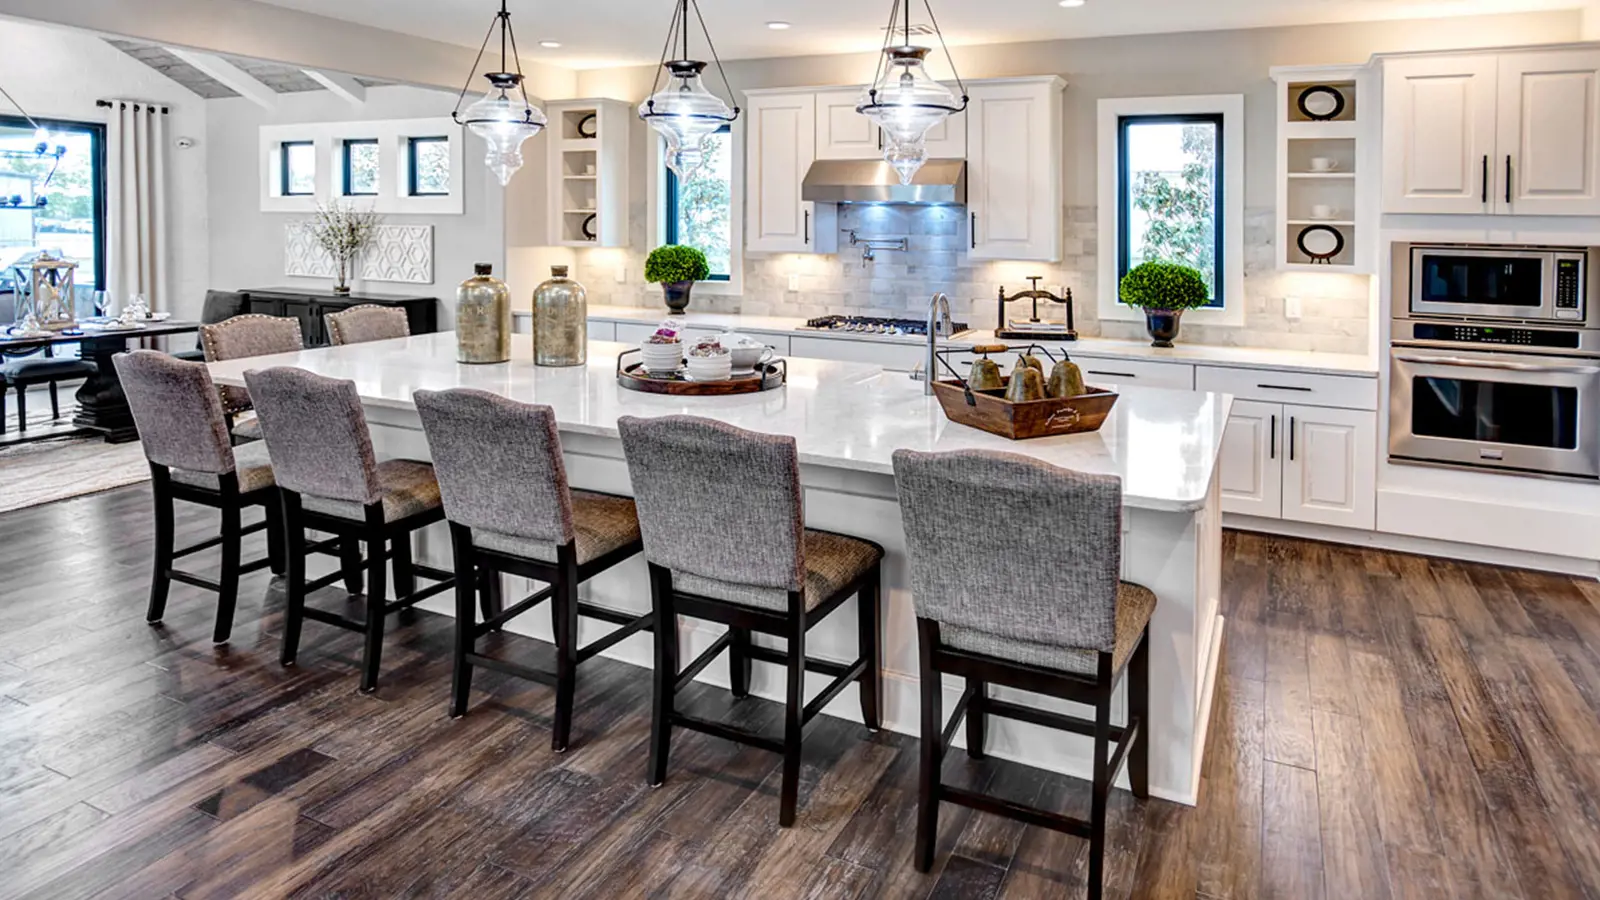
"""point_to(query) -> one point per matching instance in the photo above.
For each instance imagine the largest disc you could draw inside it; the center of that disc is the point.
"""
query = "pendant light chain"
(883, 52)
(495, 118)
(726, 86)
(666, 48)
(934, 21)
(522, 82)
(474, 70)
(678, 31)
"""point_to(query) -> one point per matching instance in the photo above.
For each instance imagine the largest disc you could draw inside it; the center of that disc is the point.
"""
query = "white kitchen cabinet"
(1330, 475)
(901, 356)
(780, 145)
(843, 133)
(1014, 144)
(1135, 373)
(1251, 462)
(1505, 134)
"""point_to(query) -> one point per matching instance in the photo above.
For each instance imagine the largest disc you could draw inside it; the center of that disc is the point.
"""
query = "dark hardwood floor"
(1385, 727)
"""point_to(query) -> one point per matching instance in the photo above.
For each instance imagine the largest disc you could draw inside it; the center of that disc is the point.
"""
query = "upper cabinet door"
(1014, 170)
(948, 139)
(1439, 134)
(780, 145)
(843, 133)
(1548, 162)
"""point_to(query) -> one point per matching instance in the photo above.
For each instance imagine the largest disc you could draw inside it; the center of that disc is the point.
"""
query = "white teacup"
(1323, 164)
(746, 358)
(1322, 211)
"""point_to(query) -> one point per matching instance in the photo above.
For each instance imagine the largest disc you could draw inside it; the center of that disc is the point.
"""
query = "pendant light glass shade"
(503, 117)
(683, 111)
(905, 101)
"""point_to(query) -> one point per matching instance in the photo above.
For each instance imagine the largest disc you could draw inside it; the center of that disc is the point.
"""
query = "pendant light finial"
(502, 122)
(683, 111)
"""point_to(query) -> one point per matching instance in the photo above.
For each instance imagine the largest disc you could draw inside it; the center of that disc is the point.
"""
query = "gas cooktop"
(874, 325)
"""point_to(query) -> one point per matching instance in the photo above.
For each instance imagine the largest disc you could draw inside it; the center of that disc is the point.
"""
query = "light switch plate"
(1291, 308)
(622, 274)
(794, 283)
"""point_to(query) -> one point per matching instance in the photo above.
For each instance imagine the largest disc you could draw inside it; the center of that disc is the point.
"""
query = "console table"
(309, 306)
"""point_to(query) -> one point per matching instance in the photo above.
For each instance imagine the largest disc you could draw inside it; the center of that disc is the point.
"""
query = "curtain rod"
(107, 104)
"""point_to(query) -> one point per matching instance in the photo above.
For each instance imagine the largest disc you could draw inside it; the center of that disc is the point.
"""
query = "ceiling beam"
(234, 78)
(343, 86)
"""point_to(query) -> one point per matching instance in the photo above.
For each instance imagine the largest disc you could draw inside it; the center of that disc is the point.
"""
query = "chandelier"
(502, 122)
(682, 110)
(904, 100)
(42, 149)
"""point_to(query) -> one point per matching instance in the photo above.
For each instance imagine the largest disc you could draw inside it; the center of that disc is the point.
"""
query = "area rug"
(47, 471)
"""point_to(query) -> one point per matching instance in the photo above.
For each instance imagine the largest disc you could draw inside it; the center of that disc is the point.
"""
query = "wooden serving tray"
(990, 411)
(766, 377)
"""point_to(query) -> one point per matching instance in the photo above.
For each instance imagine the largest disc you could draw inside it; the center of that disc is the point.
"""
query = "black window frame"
(671, 201)
(344, 155)
(1124, 249)
(97, 176)
(411, 165)
(283, 169)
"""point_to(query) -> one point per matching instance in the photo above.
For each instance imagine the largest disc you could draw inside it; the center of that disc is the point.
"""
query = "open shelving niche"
(588, 159)
(1346, 187)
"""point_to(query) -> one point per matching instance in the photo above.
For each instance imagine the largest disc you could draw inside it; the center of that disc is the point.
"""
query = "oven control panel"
(1569, 288)
(1480, 334)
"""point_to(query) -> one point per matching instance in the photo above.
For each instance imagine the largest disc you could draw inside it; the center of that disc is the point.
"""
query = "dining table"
(102, 408)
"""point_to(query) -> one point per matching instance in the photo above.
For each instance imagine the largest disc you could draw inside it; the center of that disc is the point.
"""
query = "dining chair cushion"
(251, 465)
(601, 523)
(247, 429)
(367, 322)
(833, 562)
(1135, 604)
(406, 488)
(39, 369)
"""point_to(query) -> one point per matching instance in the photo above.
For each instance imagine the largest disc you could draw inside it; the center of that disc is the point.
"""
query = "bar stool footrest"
(1017, 811)
(727, 732)
(510, 668)
(527, 603)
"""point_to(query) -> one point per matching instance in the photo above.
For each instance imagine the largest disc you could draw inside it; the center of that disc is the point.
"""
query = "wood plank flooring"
(1385, 726)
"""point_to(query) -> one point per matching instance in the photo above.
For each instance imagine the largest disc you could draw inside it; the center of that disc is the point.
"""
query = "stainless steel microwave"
(1498, 282)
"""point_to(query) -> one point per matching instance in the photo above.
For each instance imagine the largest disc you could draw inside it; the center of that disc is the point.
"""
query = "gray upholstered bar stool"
(367, 322)
(1040, 607)
(185, 438)
(511, 511)
(242, 337)
(723, 520)
(331, 481)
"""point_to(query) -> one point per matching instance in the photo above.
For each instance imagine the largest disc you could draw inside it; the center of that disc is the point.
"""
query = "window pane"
(705, 206)
(1173, 170)
(66, 224)
(300, 169)
(362, 160)
(430, 160)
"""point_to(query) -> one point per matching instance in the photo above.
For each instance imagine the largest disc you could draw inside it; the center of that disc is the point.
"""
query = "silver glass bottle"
(483, 318)
(560, 321)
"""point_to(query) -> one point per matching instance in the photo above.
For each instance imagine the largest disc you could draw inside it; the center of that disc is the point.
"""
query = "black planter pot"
(1162, 324)
(677, 295)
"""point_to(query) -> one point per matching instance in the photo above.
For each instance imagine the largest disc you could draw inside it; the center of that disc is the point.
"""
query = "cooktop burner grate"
(874, 325)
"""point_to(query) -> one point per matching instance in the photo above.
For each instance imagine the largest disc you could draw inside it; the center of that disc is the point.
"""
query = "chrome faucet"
(938, 319)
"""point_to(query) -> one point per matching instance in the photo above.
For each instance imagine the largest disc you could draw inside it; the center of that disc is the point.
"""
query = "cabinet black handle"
(1508, 179)
(1291, 439)
(1112, 374)
(974, 230)
(1273, 453)
(1284, 387)
(808, 227)
(1485, 198)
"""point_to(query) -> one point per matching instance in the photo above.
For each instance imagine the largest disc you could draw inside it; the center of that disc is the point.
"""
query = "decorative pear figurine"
(985, 374)
(1027, 383)
(1066, 380)
(1029, 359)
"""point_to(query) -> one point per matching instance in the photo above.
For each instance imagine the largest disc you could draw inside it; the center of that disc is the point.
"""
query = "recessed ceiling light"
(778, 26)
(1072, 4)
(551, 45)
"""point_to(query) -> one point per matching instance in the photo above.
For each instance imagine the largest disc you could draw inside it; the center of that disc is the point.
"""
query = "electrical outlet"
(622, 274)
(1291, 308)
(794, 283)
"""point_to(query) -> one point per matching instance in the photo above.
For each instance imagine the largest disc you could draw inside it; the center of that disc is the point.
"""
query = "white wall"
(59, 73)
(247, 244)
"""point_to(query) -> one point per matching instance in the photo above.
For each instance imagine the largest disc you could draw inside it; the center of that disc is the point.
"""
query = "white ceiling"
(629, 32)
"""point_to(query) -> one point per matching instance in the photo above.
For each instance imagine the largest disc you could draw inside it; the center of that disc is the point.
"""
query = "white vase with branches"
(343, 232)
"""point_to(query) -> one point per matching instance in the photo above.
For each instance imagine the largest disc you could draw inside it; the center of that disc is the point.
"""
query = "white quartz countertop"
(1310, 362)
(1164, 444)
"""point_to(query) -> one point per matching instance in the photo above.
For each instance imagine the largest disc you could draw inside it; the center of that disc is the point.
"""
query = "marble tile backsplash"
(1335, 307)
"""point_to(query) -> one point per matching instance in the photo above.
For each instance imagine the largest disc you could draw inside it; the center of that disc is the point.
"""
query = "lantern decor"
(904, 101)
(683, 111)
(53, 297)
(502, 122)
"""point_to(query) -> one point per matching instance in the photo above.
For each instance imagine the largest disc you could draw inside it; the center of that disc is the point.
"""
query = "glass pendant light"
(682, 110)
(904, 100)
(498, 117)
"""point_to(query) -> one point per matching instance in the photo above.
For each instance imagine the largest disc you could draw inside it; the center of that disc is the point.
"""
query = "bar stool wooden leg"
(1101, 788)
(294, 533)
(1139, 708)
(977, 718)
(793, 714)
(228, 582)
(491, 594)
(564, 610)
(22, 407)
(160, 577)
(739, 662)
(276, 563)
(666, 674)
(461, 673)
(55, 403)
(870, 619)
(405, 573)
(932, 747)
(350, 563)
(377, 596)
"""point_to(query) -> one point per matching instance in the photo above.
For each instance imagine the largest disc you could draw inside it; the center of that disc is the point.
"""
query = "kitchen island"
(848, 419)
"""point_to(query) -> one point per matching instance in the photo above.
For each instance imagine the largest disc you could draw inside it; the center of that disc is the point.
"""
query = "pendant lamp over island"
(904, 100)
(682, 110)
(497, 117)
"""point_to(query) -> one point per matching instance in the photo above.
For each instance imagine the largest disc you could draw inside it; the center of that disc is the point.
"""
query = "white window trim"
(656, 188)
(393, 158)
(1231, 107)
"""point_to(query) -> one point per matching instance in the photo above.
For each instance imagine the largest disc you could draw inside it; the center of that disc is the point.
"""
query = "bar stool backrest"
(717, 501)
(498, 463)
(241, 337)
(316, 434)
(177, 411)
(1047, 567)
(367, 322)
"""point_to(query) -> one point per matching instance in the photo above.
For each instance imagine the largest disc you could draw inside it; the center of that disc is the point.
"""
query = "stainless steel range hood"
(940, 182)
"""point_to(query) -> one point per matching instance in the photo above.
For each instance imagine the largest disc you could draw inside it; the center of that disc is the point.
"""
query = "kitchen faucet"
(938, 318)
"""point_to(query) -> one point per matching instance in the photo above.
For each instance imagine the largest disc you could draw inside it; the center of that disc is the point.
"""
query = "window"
(428, 166)
(699, 209)
(298, 173)
(71, 220)
(361, 167)
(1169, 194)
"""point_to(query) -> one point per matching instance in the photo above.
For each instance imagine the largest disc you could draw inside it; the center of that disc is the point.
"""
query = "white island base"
(848, 419)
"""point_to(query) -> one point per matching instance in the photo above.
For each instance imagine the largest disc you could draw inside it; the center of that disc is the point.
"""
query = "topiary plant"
(1164, 285)
(673, 263)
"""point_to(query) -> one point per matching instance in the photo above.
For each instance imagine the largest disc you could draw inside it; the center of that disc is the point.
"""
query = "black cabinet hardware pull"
(808, 227)
(974, 230)
(1291, 439)
(1273, 453)
(1485, 179)
(1284, 387)
(1508, 179)
(1113, 374)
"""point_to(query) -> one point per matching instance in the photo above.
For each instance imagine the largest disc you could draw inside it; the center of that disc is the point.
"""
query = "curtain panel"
(138, 258)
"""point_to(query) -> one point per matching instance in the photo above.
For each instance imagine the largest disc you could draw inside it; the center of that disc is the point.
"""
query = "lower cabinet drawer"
(1268, 386)
(1135, 373)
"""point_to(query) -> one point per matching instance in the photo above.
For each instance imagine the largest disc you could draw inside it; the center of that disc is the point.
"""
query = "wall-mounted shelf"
(588, 162)
(1324, 160)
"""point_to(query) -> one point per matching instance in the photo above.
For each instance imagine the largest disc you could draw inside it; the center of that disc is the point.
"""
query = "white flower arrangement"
(343, 232)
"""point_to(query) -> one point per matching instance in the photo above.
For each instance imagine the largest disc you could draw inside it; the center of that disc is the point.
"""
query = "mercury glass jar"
(483, 318)
(560, 321)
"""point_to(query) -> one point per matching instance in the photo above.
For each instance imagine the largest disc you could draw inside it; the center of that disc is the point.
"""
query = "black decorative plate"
(587, 124)
(1321, 103)
(588, 228)
(1321, 243)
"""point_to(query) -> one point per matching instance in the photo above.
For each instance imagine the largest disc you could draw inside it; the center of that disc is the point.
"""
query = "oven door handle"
(1491, 364)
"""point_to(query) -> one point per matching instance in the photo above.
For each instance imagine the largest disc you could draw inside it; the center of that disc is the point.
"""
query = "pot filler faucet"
(938, 320)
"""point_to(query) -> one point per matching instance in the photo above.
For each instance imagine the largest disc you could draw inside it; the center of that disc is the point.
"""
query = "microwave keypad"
(1568, 276)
